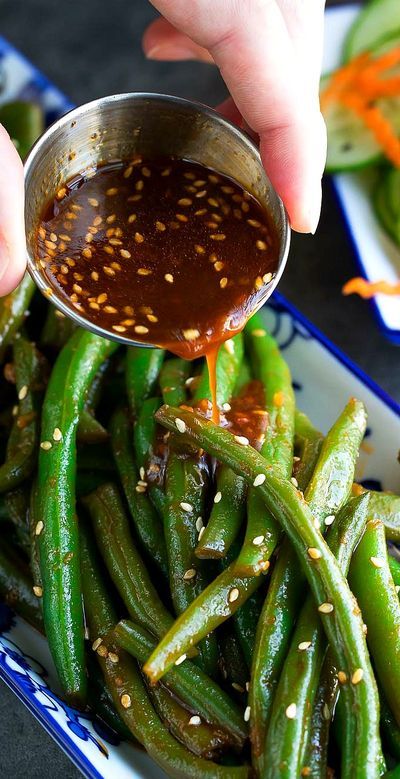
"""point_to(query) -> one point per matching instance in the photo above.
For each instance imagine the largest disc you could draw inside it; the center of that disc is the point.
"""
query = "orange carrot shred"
(367, 289)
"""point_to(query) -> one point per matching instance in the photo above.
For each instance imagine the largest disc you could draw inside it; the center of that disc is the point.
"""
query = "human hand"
(269, 54)
(12, 229)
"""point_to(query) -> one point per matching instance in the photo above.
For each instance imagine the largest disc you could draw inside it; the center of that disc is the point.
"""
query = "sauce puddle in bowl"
(166, 252)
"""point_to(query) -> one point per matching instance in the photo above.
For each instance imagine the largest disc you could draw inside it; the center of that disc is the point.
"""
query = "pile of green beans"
(234, 610)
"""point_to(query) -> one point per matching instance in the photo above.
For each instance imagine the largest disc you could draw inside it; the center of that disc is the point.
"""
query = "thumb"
(12, 228)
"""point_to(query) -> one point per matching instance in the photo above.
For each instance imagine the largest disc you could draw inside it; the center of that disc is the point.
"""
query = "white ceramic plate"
(377, 256)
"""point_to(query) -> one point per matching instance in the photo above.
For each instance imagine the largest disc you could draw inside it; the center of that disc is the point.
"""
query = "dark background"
(90, 49)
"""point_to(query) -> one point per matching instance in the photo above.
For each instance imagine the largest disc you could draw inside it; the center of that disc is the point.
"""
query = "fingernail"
(310, 220)
(162, 52)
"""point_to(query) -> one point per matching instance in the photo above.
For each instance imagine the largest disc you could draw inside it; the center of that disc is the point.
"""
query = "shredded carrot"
(378, 124)
(367, 289)
(342, 78)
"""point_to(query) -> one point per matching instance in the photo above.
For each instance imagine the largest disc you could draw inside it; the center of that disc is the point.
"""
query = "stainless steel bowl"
(116, 127)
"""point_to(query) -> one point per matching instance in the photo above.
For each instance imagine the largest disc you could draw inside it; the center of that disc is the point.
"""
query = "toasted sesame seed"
(200, 212)
(108, 249)
(166, 172)
(185, 201)
(257, 541)
(98, 220)
(139, 185)
(132, 218)
(260, 479)
(180, 425)
(247, 712)
(188, 175)
(119, 328)
(115, 265)
(94, 306)
(139, 238)
(37, 590)
(261, 245)
(241, 439)
(141, 329)
(113, 657)
(357, 676)
(152, 318)
(218, 236)
(190, 334)
(229, 346)
(291, 711)
(125, 254)
(330, 519)
(189, 574)
(237, 213)
(140, 488)
(39, 527)
(200, 194)
(233, 595)
(23, 392)
(115, 242)
(108, 271)
(77, 288)
(93, 202)
(267, 278)
(314, 553)
(377, 562)
(111, 191)
(125, 700)
(223, 282)
(304, 645)
(258, 333)
(180, 660)
(342, 677)
(245, 207)
(96, 644)
(217, 497)
(201, 531)
(258, 282)
(61, 193)
(88, 238)
(199, 249)
(181, 217)
(57, 434)
(186, 506)
(102, 651)
(195, 720)
(326, 608)
(218, 266)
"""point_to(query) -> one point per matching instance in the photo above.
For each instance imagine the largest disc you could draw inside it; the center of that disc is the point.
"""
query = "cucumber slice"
(379, 19)
(392, 188)
(24, 121)
(384, 212)
(351, 145)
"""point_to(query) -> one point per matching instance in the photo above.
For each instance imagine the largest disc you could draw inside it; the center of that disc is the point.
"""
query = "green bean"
(34, 518)
(24, 122)
(101, 702)
(316, 755)
(187, 681)
(232, 662)
(394, 565)
(286, 740)
(142, 370)
(386, 507)
(58, 541)
(16, 586)
(184, 501)
(90, 431)
(88, 481)
(13, 310)
(390, 729)
(245, 622)
(271, 369)
(342, 623)
(309, 441)
(373, 586)
(22, 443)
(57, 329)
(123, 561)
(226, 517)
(95, 457)
(144, 516)
(173, 375)
(129, 693)
(229, 359)
(17, 503)
(145, 440)
(332, 476)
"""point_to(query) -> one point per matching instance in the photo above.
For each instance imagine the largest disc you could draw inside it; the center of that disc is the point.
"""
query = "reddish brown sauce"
(165, 252)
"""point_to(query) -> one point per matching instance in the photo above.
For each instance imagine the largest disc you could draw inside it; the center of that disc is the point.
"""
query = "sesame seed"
(119, 328)
(57, 434)
(199, 249)
(115, 242)
(342, 677)
(226, 407)
(191, 334)
(152, 318)
(214, 179)
(140, 488)
(257, 541)
(93, 202)
(201, 194)
(113, 657)
(253, 223)
(304, 645)
(108, 249)
(180, 660)
(77, 288)
(139, 185)
(218, 266)
(195, 720)
(98, 220)
(181, 217)
(61, 193)
(132, 218)
(233, 595)
(116, 265)
(111, 191)
(229, 346)
(326, 608)
(189, 574)
(217, 497)
(139, 238)
(237, 687)
(223, 282)
(291, 711)
(166, 172)
(141, 329)
(258, 282)
(245, 207)
(218, 236)
(180, 425)
(66, 238)
(242, 440)
(200, 212)
(261, 245)
(88, 237)
(23, 392)
(199, 524)
(247, 712)
(46, 445)
(126, 700)
(267, 278)
(39, 527)
(258, 333)
(186, 506)
(108, 271)
(96, 644)
(160, 226)
(94, 306)
(260, 479)
(102, 651)
(314, 553)
(146, 172)
(185, 201)
(38, 591)
(330, 519)
(377, 562)
(128, 172)
(357, 676)
(201, 531)
(125, 254)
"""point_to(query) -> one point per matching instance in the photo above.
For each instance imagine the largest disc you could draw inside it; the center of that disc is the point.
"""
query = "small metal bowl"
(117, 127)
